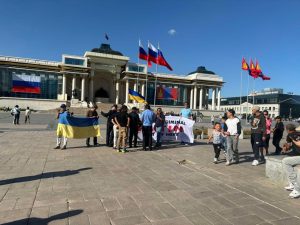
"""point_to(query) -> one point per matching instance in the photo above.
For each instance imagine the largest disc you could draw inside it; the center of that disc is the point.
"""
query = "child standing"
(218, 139)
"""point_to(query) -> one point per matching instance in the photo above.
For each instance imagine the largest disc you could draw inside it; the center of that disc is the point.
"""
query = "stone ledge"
(274, 169)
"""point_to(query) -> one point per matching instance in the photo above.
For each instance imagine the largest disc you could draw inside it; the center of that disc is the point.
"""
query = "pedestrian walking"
(277, 134)
(258, 134)
(109, 126)
(159, 126)
(61, 139)
(122, 120)
(232, 132)
(218, 139)
(92, 113)
(147, 120)
(27, 115)
(292, 148)
(135, 122)
(16, 112)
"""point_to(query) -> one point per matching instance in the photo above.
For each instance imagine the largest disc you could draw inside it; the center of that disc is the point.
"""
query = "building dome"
(106, 49)
(202, 69)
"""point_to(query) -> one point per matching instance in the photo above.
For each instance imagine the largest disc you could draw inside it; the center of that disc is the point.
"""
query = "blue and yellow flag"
(77, 127)
(133, 95)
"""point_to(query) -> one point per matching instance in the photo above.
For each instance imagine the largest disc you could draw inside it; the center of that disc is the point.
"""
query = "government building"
(104, 75)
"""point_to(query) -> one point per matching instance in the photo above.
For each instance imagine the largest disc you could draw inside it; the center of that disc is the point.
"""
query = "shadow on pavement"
(43, 176)
(44, 221)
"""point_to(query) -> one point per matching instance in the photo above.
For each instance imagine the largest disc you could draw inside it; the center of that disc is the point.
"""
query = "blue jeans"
(158, 135)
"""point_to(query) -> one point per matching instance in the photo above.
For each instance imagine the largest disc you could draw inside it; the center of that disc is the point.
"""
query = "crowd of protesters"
(123, 128)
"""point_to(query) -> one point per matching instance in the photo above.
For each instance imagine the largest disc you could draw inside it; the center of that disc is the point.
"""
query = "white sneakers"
(215, 160)
(294, 194)
(290, 187)
(227, 163)
(255, 163)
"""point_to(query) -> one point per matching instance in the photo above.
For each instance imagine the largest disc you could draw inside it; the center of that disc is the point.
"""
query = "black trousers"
(16, 118)
(217, 149)
(94, 140)
(147, 137)
(276, 143)
(133, 134)
(109, 135)
(256, 142)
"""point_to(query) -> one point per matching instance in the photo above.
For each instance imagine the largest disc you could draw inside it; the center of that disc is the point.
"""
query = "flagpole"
(247, 113)
(137, 79)
(155, 83)
(241, 91)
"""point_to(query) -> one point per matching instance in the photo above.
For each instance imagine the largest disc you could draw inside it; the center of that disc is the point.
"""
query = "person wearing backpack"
(15, 112)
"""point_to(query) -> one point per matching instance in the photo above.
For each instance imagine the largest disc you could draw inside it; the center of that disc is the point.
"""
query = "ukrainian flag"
(133, 95)
(77, 127)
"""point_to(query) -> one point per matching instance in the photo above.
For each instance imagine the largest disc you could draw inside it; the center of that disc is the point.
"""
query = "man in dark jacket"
(277, 134)
(135, 122)
(92, 113)
(258, 134)
(109, 128)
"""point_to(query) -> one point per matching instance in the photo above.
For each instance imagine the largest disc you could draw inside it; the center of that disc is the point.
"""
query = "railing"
(26, 60)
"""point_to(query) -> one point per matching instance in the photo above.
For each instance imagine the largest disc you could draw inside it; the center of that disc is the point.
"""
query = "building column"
(82, 88)
(191, 97)
(91, 87)
(200, 98)
(195, 97)
(143, 89)
(73, 85)
(64, 86)
(219, 98)
(213, 99)
(117, 91)
(127, 91)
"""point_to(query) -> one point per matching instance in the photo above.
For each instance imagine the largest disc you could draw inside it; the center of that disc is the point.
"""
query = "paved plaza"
(177, 185)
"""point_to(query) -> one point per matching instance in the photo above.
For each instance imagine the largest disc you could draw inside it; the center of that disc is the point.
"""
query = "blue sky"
(211, 33)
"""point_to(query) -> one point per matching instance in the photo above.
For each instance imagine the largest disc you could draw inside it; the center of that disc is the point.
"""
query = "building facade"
(274, 100)
(104, 75)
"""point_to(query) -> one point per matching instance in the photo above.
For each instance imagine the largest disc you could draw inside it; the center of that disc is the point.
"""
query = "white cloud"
(172, 32)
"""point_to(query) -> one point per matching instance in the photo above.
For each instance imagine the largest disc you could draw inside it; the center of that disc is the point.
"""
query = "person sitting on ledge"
(292, 148)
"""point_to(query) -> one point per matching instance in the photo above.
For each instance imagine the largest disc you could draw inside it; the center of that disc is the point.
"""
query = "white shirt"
(27, 112)
(232, 125)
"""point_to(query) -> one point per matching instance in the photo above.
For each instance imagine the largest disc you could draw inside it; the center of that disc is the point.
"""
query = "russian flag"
(142, 53)
(26, 83)
(152, 54)
(162, 61)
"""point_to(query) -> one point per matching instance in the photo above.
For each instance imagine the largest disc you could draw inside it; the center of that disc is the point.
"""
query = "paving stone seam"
(37, 188)
(242, 191)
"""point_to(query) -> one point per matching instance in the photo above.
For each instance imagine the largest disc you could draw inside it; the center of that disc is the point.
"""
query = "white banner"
(176, 128)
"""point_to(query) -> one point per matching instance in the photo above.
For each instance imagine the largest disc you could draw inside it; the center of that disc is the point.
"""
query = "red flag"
(245, 65)
(252, 71)
(257, 67)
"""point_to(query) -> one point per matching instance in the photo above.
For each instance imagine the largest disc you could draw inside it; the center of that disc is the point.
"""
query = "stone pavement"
(39, 185)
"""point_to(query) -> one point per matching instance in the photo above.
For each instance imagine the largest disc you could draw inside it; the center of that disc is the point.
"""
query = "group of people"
(16, 112)
(226, 134)
(120, 122)
(123, 126)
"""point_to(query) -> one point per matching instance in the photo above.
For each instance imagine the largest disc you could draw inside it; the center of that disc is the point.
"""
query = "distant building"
(271, 99)
(103, 75)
